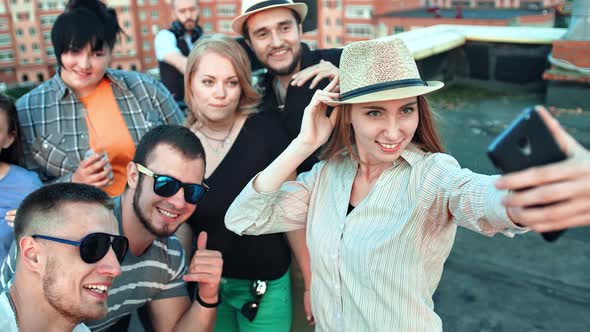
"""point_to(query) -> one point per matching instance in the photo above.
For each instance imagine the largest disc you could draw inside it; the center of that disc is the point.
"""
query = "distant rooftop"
(469, 13)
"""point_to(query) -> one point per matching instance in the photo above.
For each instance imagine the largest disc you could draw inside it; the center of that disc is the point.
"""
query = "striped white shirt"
(377, 268)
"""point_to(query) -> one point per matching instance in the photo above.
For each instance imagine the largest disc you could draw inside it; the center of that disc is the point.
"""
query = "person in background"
(239, 142)
(68, 255)
(82, 125)
(382, 207)
(173, 45)
(15, 182)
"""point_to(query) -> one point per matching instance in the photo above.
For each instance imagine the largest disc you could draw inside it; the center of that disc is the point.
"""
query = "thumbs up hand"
(205, 268)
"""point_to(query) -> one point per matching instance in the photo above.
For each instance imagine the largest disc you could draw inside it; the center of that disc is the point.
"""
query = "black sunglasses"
(167, 186)
(250, 308)
(94, 246)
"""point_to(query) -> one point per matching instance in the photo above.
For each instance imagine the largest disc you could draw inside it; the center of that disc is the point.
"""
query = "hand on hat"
(565, 185)
(205, 268)
(316, 127)
(324, 69)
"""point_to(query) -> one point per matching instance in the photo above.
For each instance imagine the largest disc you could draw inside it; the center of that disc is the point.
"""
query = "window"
(127, 24)
(133, 67)
(207, 27)
(352, 11)
(359, 30)
(25, 78)
(155, 29)
(486, 4)
(22, 48)
(206, 12)
(153, 2)
(19, 32)
(35, 47)
(140, 2)
(339, 41)
(40, 77)
(4, 39)
(47, 36)
(129, 40)
(328, 40)
(22, 16)
(125, 9)
(50, 51)
(142, 15)
(225, 26)
(6, 56)
(155, 14)
(398, 29)
(48, 20)
(226, 10)
(148, 59)
(32, 31)
(3, 24)
(327, 21)
(24, 61)
(338, 22)
(38, 60)
(146, 45)
(144, 31)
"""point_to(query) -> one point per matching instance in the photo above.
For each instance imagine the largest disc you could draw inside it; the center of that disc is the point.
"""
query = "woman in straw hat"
(382, 207)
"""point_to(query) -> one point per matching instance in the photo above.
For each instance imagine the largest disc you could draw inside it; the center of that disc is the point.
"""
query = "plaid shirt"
(54, 131)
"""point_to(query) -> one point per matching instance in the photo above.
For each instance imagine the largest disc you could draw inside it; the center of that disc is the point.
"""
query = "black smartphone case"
(525, 143)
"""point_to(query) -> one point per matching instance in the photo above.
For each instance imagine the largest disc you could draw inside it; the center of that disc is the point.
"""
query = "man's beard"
(288, 70)
(60, 302)
(194, 22)
(141, 216)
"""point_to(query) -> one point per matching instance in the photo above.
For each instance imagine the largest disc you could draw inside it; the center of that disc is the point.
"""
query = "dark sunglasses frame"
(250, 308)
(84, 243)
(189, 188)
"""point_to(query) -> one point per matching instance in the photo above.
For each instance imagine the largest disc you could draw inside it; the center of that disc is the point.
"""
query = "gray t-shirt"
(157, 274)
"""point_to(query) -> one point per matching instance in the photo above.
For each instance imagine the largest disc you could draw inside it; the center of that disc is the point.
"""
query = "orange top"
(108, 132)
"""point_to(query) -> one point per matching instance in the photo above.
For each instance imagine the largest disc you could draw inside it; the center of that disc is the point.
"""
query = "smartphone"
(527, 142)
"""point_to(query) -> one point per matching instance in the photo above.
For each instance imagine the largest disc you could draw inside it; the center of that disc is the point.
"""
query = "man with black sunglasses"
(68, 255)
(164, 185)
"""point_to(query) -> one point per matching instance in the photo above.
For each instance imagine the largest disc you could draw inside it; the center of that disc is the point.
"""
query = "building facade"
(26, 53)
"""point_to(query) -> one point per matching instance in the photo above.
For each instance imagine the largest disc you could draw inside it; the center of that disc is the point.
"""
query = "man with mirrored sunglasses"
(68, 255)
(164, 185)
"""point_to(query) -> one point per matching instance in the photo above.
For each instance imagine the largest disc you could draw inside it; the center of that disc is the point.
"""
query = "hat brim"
(397, 93)
(238, 22)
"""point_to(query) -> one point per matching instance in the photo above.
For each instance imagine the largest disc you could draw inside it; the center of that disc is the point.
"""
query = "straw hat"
(250, 7)
(380, 70)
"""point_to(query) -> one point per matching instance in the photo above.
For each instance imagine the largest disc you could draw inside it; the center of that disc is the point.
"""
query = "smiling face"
(75, 289)
(382, 130)
(83, 69)
(215, 88)
(6, 135)
(162, 216)
(275, 38)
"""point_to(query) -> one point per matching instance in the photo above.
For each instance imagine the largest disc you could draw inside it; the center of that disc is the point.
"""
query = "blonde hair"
(426, 136)
(231, 50)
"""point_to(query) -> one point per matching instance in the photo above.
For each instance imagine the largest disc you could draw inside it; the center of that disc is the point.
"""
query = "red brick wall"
(573, 51)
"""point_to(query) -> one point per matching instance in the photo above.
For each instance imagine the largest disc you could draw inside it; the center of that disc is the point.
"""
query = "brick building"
(26, 53)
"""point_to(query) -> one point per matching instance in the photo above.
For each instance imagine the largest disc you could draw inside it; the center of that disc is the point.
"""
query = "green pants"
(274, 313)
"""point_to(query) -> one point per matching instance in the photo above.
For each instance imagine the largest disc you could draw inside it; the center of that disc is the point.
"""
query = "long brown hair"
(231, 50)
(426, 136)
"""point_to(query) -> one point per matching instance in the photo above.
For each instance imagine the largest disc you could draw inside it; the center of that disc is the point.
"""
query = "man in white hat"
(273, 31)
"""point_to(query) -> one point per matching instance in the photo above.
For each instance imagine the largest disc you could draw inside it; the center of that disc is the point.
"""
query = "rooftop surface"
(468, 13)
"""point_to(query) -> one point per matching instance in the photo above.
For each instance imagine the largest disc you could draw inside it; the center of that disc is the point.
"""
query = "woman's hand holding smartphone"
(549, 174)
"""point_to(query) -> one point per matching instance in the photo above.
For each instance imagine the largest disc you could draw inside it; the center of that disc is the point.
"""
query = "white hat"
(376, 70)
(250, 7)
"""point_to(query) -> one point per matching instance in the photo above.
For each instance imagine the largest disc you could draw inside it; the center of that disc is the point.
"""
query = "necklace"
(13, 309)
(222, 141)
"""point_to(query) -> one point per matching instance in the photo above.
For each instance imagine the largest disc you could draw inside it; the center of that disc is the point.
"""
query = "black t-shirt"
(265, 257)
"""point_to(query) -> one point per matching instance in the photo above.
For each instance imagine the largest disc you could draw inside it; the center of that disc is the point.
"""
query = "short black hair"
(36, 211)
(246, 34)
(180, 138)
(84, 22)
(14, 153)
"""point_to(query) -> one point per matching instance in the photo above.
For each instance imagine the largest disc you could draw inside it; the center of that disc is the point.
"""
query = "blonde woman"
(238, 142)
